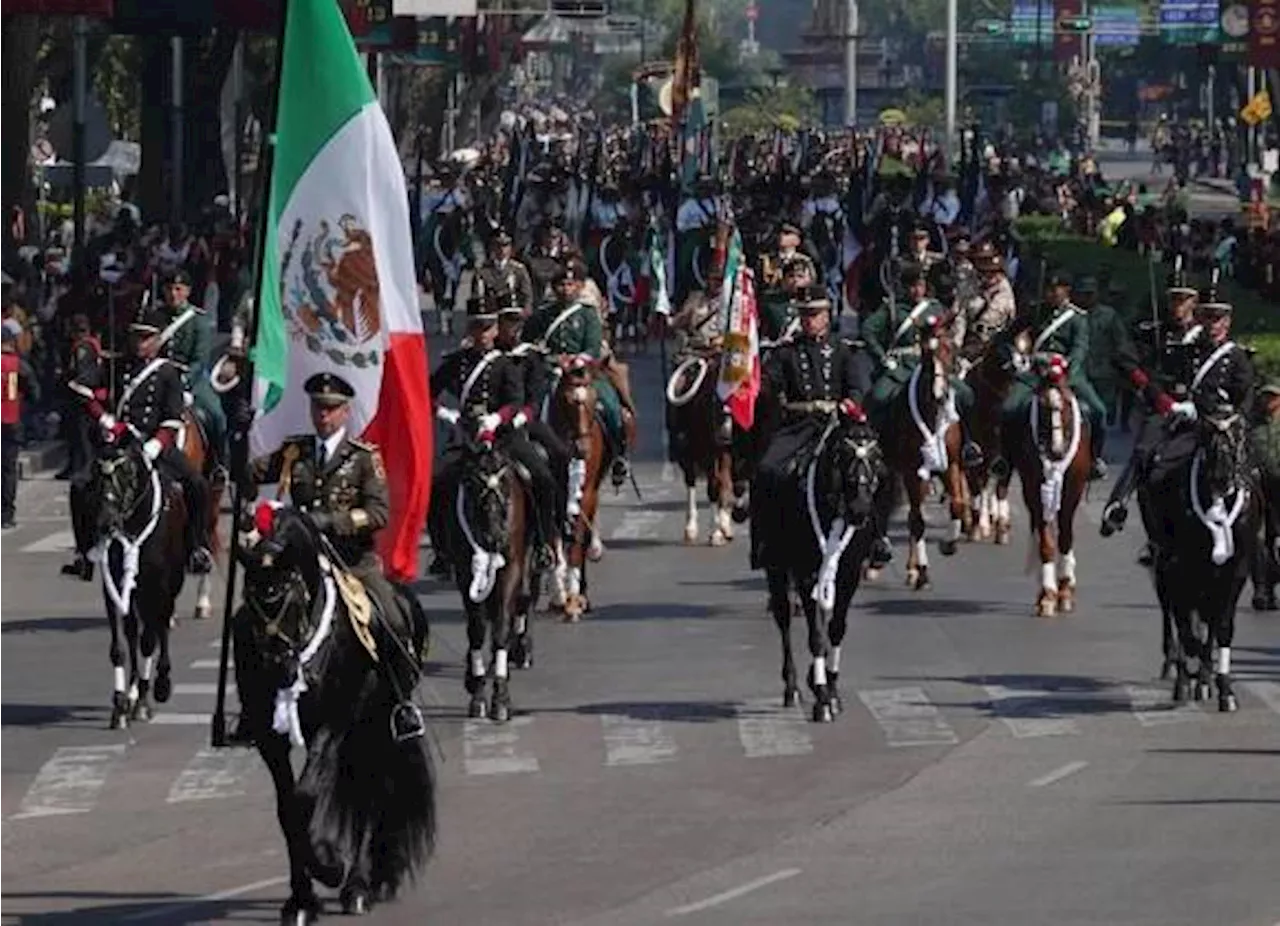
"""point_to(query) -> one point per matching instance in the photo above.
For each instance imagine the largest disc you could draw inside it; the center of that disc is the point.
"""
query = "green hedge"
(1257, 322)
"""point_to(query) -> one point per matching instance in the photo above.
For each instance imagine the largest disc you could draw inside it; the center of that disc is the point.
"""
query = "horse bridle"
(109, 469)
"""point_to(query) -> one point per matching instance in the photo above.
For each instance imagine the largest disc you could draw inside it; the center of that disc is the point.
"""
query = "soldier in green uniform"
(568, 326)
(1265, 438)
(777, 306)
(1108, 337)
(892, 338)
(190, 346)
(1061, 328)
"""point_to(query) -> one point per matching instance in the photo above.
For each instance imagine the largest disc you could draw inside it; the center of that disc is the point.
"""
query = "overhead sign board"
(1116, 26)
(1189, 22)
(434, 7)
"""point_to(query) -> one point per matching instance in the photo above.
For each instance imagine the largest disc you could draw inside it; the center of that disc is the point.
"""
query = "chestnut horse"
(923, 438)
(990, 378)
(1052, 457)
(572, 414)
(702, 442)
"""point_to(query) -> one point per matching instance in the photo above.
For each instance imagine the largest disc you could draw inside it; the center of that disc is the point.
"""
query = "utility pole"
(80, 78)
(851, 65)
(953, 54)
(175, 195)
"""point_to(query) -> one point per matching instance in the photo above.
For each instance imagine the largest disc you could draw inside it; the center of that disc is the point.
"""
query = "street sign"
(434, 7)
(1189, 22)
(1029, 17)
(1116, 26)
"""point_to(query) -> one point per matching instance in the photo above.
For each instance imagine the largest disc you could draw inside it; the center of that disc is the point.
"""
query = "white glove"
(490, 423)
(108, 421)
(1184, 410)
(188, 398)
(448, 415)
(152, 449)
(237, 337)
(520, 420)
(890, 364)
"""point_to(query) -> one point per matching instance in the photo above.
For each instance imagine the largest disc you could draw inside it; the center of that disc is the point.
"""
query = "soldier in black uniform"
(489, 394)
(151, 404)
(535, 381)
(87, 383)
(814, 367)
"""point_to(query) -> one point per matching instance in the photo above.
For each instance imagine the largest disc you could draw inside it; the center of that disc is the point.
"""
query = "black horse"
(362, 815)
(140, 522)
(1206, 511)
(826, 533)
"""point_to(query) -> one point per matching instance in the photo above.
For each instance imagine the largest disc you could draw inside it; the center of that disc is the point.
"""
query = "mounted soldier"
(809, 377)
(569, 326)
(990, 311)
(503, 277)
(893, 340)
(188, 341)
(88, 383)
(486, 386)
(1061, 328)
(777, 314)
(919, 252)
(150, 408)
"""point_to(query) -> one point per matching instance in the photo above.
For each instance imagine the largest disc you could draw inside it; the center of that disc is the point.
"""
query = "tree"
(765, 108)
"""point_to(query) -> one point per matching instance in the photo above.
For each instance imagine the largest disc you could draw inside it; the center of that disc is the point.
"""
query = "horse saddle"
(359, 608)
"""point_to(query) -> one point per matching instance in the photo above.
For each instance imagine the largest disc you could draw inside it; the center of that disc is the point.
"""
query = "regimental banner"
(1067, 46)
(1264, 33)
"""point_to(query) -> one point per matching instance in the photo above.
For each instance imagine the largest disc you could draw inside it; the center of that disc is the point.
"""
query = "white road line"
(907, 717)
(765, 728)
(204, 664)
(170, 909)
(638, 525)
(1153, 708)
(1028, 712)
(668, 470)
(70, 781)
(492, 750)
(58, 542)
(1269, 694)
(636, 740)
(1057, 774)
(200, 688)
(734, 893)
(213, 774)
(178, 719)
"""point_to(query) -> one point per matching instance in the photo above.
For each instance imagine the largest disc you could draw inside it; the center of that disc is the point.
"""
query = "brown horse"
(923, 438)
(1052, 457)
(702, 442)
(193, 441)
(573, 416)
(991, 517)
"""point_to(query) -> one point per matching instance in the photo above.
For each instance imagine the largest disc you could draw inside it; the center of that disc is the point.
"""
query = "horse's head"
(281, 558)
(119, 487)
(856, 472)
(937, 349)
(1053, 400)
(486, 492)
(575, 397)
(1224, 441)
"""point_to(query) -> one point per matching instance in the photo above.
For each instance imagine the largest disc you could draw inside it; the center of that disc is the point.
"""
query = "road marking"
(638, 525)
(907, 717)
(70, 781)
(213, 774)
(1269, 694)
(1026, 712)
(767, 729)
(668, 471)
(177, 719)
(1153, 708)
(734, 893)
(636, 740)
(492, 750)
(204, 664)
(58, 542)
(170, 909)
(1057, 774)
(200, 688)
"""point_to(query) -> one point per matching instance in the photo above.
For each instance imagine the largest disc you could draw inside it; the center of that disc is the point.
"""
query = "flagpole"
(240, 438)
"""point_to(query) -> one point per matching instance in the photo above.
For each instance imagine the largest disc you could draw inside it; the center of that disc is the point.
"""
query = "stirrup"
(1114, 516)
(201, 562)
(406, 722)
(619, 471)
(971, 456)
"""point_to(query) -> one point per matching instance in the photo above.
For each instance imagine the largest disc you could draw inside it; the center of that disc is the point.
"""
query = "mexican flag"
(740, 372)
(338, 290)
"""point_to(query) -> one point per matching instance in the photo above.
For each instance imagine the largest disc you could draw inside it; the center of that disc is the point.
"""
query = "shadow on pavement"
(926, 606)
(1037, 697)
(1210, 751)
(671, 711)
(53, 715)
(160, 909)
(659, 610)
(54, 625)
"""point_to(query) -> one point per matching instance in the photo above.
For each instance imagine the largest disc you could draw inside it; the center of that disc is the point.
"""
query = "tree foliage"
(766, 108)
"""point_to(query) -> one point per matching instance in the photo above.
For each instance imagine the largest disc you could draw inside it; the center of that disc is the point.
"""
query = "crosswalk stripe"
(1153, 707)
(489, 749)
(179, 719)
(907, 717)
(213, 774)
(204, 664)
(636, 740)
(57, 542)
(1266, 692)
(70, 781)
(200, 688)
(638, 525)
(1029, 712)
(766, 729)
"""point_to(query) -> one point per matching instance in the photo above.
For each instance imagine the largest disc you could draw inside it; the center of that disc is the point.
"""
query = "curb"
(41, 459)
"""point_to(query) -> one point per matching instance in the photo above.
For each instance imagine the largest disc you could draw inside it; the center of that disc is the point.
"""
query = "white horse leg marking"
(1224, 660)
(521, 625)
(118, 681)
(575, 580)
(957, 528)
(559, 576)
(724, 521)
(1067, 567)
(477, 663)
(1002, 510)
(148, 664)
(835, 660)
(500, 664)
(203, 605)
(691, 515)
(819, 670)
(1049, 577)
(922, 553)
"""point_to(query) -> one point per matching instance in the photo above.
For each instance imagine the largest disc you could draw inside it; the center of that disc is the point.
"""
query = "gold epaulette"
(362, 445)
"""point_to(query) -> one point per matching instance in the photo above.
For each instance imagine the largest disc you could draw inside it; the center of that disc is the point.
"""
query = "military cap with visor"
(329, 389)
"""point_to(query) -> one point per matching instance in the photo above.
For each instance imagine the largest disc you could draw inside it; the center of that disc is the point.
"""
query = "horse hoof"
(822, 713)
(718, 539)
(355, 902)
(871, 574)
(522, 654)
(1181, 691)
(478, 709)
(837, 706)
(1066, 600)
(203, 612)
(690, 536)
(740, 515)
(1227, 703)
(119, 719)
(142, 712)
(295, 913)
(912, 577)
(922, 581)
(789, 697)
(1047, 606)
(595, 552)
(500, 710)
(947, 547)
(163, 689)
(1202, 691)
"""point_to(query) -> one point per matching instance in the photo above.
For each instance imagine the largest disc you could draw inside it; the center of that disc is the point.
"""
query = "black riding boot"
(1116, 512)
(970, 451)
(201, 562)
(437, 522)
(1098, 439)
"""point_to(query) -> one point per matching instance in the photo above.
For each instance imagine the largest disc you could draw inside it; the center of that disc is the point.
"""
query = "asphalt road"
(990, 767)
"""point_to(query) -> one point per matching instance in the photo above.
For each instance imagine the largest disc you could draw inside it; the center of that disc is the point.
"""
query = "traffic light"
(1075, 24)
(991, 27)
